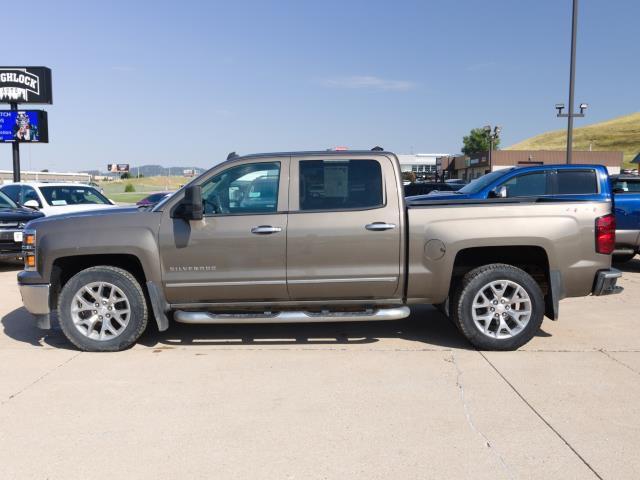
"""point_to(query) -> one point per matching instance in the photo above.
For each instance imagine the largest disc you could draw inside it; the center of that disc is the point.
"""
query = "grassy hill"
(619, 134)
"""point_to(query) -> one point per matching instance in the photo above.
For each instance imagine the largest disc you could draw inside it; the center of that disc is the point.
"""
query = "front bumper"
(605, 283)
(36, 300)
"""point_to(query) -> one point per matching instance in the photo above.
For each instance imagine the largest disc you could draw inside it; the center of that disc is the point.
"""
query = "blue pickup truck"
(626, 192)
(570, 182)
(540, 181)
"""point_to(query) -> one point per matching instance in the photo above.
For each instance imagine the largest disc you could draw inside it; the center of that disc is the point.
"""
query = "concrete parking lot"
(407, 399)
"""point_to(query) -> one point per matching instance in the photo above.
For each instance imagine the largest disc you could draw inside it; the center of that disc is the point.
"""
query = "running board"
(395, 313)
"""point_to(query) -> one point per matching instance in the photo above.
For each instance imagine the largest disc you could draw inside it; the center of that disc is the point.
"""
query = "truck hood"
(64, 209)
(106, 214)
(22, 215)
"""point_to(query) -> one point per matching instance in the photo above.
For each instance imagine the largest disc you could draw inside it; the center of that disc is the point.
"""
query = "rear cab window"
(577, 182)
(340, 185)
(626, 185)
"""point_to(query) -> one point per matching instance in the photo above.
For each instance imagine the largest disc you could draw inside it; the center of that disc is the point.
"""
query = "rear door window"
(577, 182)
(340, 185)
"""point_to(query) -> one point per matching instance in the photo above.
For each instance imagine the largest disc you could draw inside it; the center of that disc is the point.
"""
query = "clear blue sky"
(185, 82)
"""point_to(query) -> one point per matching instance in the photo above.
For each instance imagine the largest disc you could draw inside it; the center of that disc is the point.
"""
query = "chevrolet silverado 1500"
(317, 237)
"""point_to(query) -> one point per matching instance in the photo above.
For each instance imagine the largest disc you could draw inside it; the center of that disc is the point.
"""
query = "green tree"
(125, 176)
(409, 176)
(478, 141)
(129, 188)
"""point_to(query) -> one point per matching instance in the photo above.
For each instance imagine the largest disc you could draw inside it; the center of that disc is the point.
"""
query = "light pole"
(570, 115)
(492, 135)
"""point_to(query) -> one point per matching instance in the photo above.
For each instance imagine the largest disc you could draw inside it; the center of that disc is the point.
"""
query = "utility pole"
(572, 82)
(15, 147)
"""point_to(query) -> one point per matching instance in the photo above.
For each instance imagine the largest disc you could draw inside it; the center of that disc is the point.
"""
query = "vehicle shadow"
(632, 266)
(10, 266)
(426, 325)
(20, 325)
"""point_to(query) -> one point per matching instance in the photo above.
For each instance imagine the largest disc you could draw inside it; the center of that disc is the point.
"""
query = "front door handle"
(379, 226)
(265, 230)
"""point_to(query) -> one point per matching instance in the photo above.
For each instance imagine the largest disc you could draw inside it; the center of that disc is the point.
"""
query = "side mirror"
(190, 208)
(32, 204)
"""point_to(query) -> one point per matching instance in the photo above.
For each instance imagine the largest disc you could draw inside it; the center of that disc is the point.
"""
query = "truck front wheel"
(102, 309)
(498, 307)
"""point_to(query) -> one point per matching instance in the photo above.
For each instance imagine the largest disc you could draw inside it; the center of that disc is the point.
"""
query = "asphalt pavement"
(406, 399)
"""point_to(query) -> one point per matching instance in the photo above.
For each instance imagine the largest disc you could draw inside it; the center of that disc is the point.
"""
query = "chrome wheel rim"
(100, 311)
(501, 309)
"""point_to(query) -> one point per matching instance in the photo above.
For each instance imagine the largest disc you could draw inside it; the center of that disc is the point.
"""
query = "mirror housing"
(32, 204)
(190, 208)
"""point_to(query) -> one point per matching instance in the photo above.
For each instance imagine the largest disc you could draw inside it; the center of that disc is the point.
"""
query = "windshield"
(73, 195)
(6, 202)
(479, 183)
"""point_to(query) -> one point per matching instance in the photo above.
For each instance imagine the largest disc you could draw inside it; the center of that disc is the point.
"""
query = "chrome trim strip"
(396, 313)
(275, 304)
(343, 280)
(227, 284)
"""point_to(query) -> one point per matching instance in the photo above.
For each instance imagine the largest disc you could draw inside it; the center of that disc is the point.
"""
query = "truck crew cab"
(313, 237)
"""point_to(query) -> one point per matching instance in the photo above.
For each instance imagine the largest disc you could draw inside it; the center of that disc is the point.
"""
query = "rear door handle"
(379, 226)
(265, 230)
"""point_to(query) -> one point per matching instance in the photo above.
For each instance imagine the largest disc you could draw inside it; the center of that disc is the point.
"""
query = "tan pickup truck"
(316, 237)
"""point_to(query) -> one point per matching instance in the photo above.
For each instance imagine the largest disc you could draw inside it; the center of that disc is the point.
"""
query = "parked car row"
(626, 190)
(13, 218)
(56, 198)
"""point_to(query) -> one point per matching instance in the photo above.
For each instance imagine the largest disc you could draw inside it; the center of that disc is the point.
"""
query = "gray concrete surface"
(406, 399)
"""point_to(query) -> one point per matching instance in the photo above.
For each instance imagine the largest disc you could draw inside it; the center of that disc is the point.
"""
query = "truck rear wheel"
(102, 309)
(498, 307)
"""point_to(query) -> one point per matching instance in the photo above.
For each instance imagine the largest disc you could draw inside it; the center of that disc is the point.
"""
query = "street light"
(570, 115)
(492, 135)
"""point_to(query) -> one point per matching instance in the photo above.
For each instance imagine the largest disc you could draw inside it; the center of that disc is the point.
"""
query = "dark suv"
(12, 221)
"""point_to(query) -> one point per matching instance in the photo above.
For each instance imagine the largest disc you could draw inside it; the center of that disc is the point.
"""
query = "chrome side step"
(395, 313)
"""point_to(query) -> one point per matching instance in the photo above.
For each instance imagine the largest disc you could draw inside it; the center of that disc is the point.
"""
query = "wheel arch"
(533, 259)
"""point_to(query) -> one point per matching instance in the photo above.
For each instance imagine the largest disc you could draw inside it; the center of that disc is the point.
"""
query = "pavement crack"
(37, 380)
(472, 425)
(539, 415)
(619, 361)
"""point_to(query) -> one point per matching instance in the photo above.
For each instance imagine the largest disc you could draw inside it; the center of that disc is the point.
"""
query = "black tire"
(137, 304)
(472, 283)
(623, 258)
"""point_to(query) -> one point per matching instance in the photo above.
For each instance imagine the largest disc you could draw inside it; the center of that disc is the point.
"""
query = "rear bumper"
(605, 283)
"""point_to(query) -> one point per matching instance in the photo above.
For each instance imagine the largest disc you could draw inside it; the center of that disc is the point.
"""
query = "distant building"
(6, 176)
(469, 168)
(422, 164)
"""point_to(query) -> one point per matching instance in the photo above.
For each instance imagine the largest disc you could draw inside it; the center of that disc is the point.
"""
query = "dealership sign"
(24, 126)
(118, 168)
(25, 85)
